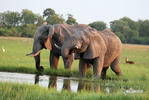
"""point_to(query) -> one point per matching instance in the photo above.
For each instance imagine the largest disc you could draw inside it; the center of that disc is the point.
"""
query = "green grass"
(14, 59)
(134, 76)
(11, 91)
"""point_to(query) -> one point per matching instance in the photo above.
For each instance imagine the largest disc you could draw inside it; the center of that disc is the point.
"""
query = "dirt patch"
(135, 47)
(15, 38)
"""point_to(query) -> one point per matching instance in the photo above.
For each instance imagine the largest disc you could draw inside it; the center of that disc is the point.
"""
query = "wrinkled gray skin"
(101, 49)
(50, 35)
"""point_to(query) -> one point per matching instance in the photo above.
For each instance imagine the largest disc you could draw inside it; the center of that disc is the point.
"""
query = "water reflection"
(66, 85)
(69, 85)
(60, 83)
(88, 86)
(52, 82)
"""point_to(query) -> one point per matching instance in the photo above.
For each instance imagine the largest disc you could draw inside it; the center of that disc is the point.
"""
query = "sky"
(84, 11)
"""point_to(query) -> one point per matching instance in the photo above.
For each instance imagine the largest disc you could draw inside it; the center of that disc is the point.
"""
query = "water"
(60, 83)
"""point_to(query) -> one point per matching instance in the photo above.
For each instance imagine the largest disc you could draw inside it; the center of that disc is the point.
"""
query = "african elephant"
(99, 48)
(48, 35)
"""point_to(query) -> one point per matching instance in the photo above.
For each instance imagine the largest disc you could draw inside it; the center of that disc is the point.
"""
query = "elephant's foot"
(67, 67)
(97, 77)
(82, 76)
(40, 68)
(119, 73)
(53, 67)
(103, 73)
(103, 77)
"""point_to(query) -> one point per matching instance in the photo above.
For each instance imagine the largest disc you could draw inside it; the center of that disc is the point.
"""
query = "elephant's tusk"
(57, 46)
(32, 54)
(76, 47)
(37, 53)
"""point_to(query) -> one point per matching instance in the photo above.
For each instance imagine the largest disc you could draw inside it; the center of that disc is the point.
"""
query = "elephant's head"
(41, 40)
(88, 43)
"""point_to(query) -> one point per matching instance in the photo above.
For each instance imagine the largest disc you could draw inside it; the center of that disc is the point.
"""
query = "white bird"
(3, 49)
(107, 89)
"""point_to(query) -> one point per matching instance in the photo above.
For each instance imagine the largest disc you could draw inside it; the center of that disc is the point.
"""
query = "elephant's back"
(64, 31)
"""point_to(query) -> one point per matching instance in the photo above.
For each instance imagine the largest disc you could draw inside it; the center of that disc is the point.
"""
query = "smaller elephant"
(99, 48)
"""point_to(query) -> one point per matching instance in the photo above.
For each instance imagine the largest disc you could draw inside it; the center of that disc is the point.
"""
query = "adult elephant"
(101, 49)
(48, 35)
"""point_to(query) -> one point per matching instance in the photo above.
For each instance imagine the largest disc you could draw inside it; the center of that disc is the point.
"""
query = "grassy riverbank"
(14, 60)
(10, 91)
(134, 76)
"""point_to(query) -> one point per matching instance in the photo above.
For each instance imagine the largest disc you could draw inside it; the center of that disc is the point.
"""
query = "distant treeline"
(25, 23)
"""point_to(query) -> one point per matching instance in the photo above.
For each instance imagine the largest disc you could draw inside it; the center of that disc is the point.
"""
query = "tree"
(143, 28)
(126, 29)
(10, 18)
(71, 20)
(39, 20)
(52, 17)
(121, 36)
(99, 25)
(132, 24)
(55, 19)
(27, 17)
(118, 25)
(48, 13)
(1, 19)
(130, 34)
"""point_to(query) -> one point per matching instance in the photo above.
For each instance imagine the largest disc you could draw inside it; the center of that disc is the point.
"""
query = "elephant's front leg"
(82, 68)
(53, 60)
(98, 66)
(104, 70)
(37, 62)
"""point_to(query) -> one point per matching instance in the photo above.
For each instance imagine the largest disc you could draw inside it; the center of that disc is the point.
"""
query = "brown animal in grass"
(129, 62)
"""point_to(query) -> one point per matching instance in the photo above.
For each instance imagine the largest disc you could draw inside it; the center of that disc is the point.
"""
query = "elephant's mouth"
(33, 54)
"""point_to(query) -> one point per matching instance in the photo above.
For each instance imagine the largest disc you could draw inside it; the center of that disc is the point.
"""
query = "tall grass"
(10, 91)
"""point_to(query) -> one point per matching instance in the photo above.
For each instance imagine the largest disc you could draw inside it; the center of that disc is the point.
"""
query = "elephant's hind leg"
(115, 66)
(53, 60)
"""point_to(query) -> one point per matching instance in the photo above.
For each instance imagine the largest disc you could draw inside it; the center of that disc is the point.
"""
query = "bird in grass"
(3, 49)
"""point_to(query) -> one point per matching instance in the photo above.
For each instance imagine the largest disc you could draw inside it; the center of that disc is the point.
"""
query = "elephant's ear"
(50, 34)
(95, 48)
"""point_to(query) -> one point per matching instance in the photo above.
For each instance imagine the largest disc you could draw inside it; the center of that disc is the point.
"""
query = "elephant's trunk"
(37, 62)
(67, 57)
(65, 52)
(36, 53)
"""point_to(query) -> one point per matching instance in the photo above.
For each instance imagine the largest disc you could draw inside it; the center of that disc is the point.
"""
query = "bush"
(29, 30)
(99, 25)
(12, 31)
(141, 40)
(2, 31)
